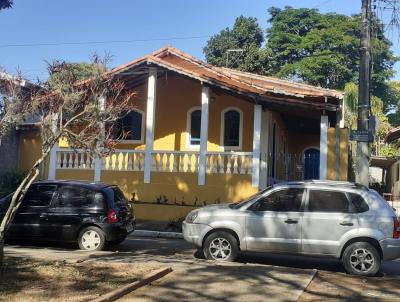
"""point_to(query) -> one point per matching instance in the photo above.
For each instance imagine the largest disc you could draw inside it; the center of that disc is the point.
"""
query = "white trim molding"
(188, 145)
(205, 99)
(141, 140)
(256, 145)
(150, 117)
(229, 148)
(323, 147)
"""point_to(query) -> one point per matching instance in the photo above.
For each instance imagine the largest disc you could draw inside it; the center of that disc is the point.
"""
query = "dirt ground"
(32, 280)
(328, 286)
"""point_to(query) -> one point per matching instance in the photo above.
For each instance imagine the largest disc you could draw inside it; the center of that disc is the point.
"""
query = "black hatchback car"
(90, 214)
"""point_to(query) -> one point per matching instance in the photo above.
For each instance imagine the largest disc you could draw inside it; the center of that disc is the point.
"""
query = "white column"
(97, 160)
(205, 96)
(323, 147)
(53, 151)
(150, 115)
(264, 141)
(256, 145)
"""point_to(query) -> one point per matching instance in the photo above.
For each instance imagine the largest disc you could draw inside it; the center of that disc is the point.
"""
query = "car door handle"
(44, 216)
(291, 221)
(346, 223)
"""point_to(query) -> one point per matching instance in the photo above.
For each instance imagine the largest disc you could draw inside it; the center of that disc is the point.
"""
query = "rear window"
(79, 197)
(359, 204)
(115, 197)
(328, 202)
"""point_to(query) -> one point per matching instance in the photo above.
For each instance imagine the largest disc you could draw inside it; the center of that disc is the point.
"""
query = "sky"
(149, 25)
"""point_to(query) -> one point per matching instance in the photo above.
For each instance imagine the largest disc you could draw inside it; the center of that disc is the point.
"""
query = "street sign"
(361, 136)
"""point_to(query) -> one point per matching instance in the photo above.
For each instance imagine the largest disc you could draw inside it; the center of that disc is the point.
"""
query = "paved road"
(253, 278)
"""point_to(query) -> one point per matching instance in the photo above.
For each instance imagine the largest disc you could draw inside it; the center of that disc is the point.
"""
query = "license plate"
(129, 227)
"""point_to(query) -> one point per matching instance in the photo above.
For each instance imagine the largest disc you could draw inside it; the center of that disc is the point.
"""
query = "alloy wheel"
(220, 249)
(362, 260)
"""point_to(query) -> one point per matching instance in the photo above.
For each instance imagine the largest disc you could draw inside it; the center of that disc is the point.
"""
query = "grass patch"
(31, 280)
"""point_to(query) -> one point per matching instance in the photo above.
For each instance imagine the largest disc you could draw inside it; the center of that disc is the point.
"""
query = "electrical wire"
(103, 42)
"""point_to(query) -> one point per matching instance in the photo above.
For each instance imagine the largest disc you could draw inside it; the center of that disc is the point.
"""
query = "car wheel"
(91, 239)
(361, 258)
(221, 246)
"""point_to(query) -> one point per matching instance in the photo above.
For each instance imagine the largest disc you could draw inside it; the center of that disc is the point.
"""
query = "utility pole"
(363, 148)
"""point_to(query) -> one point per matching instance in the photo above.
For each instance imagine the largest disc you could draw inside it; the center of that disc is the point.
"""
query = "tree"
(246, 36)
(6, 4)
(72, 110)
(377, 109)
(308, 46)
(323, 49)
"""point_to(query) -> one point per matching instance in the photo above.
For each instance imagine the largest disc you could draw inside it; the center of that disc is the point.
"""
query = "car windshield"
(249, 199)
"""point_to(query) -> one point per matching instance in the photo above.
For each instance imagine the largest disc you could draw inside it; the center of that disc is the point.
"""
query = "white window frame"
(188, 129)
(133, 141)
(231, 148)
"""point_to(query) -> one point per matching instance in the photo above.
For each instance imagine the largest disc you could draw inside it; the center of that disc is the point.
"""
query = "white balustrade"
(229, 162)
(162, 161)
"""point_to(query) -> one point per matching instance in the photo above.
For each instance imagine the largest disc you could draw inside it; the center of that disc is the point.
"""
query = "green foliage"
(9, 182)
(76, 72)
(323, 49)
(5, 4)
(389, 151)
(306, 45)
(245, 35)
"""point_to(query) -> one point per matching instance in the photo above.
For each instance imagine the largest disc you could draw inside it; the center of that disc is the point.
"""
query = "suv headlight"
(191, 217)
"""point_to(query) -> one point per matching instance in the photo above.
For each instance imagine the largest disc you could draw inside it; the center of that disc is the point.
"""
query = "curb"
(156, 234)
(314, 272)
(122, 291)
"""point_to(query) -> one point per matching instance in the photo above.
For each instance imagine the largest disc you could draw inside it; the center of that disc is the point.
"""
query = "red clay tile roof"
(243, 82)
(393, 135)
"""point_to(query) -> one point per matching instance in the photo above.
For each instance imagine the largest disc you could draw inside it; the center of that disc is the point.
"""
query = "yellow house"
(203, 134)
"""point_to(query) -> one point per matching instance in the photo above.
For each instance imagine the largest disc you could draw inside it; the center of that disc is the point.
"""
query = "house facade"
(202, 134)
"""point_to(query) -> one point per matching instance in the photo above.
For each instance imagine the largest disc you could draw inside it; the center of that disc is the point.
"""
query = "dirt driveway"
(252, 278)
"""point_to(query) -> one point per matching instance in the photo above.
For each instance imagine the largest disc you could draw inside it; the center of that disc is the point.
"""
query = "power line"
(102, 42)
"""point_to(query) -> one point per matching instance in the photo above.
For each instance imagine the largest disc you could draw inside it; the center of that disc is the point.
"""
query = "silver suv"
(322, 218)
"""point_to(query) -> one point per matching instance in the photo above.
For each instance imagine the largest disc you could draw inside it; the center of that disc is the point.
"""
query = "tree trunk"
(16, 200)
(1, 255)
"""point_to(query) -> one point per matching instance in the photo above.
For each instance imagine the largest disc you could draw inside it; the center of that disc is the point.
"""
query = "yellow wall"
(30, 149)
(343, 147)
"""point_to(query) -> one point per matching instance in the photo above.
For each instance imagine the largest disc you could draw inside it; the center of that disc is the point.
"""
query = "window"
(130, 127)
(328, 202)
(232, 128)
(287, 200)
(397, 172)
(193, 126)
(39, 196)
(358, 203)
(115, 197)
(71, 197)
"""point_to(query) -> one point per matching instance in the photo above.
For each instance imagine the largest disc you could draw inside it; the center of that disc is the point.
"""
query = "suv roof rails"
(330, 183)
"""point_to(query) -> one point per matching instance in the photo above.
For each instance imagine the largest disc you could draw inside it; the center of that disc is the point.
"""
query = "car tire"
(92, 239)
(116, 242)
(221, 246)
(362, 259)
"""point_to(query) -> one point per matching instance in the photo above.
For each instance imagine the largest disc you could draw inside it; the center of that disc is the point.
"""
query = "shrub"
(9, 181)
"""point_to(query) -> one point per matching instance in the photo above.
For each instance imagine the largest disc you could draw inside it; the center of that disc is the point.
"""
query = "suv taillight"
(396, 228)
(112, 216)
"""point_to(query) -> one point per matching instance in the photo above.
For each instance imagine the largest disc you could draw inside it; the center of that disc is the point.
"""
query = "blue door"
(311, 164)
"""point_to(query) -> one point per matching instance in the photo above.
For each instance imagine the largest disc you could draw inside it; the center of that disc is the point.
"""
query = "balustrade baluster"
(222, 164)
(242, 164)
(235, 164)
